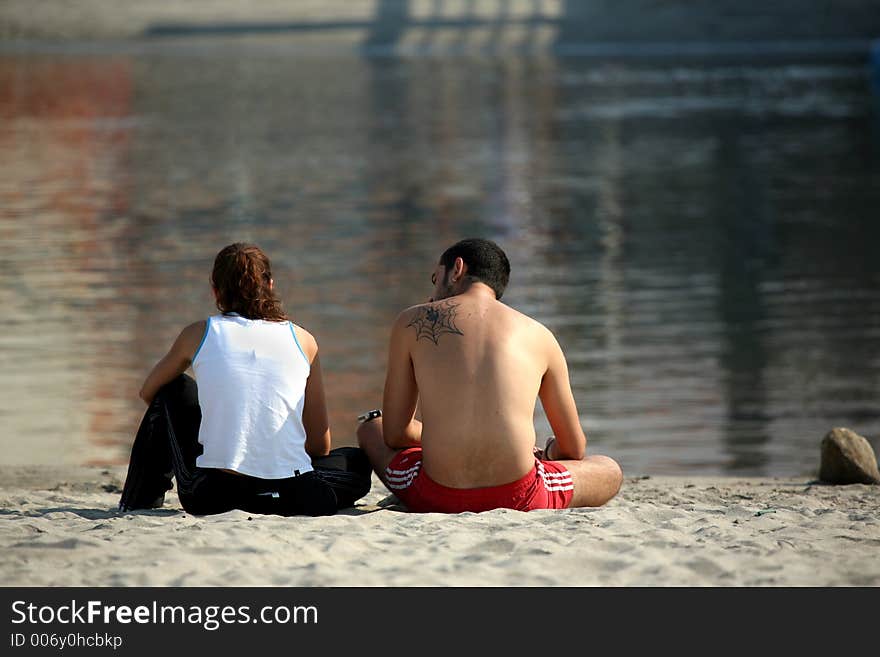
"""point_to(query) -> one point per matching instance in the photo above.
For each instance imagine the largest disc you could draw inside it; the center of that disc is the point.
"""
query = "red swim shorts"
(547, 486)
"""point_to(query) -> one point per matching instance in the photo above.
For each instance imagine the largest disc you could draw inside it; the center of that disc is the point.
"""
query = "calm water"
(701, 237)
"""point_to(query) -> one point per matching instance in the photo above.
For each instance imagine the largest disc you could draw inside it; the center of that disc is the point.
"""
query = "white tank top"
(252, 376)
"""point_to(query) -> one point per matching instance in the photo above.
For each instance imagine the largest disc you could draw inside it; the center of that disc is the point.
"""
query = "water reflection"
(747, 225)
(700, 238)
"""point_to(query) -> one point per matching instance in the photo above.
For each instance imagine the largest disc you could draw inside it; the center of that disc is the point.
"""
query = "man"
(475, 367)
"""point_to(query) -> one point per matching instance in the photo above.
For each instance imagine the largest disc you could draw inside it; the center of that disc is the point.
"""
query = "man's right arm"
(559, 406)
(399, 426)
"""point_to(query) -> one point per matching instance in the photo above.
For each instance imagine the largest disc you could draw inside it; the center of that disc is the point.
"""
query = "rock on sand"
(847, 458)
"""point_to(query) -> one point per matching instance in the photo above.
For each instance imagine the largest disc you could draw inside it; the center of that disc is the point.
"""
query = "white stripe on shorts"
(403, 472)
(554, 481)
(401, 479)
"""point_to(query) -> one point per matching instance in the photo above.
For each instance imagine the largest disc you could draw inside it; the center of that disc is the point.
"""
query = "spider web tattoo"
(433, 321)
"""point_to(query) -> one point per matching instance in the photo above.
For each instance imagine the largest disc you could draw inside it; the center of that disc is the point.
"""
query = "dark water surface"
(702, 237)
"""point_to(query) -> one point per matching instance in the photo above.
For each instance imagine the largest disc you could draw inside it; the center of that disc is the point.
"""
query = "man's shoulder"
(530, 322)
(412, 313)
(540, 338)
(405, 319)
(407, 315)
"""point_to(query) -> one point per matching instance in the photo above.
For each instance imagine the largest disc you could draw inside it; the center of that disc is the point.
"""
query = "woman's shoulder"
(190, 338)
(306, 340)
(196, 329)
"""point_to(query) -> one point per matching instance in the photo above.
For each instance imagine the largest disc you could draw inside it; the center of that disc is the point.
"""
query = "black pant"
(167, 445)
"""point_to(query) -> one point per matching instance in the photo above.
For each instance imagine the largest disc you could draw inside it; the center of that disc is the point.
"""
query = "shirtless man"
(475, 367)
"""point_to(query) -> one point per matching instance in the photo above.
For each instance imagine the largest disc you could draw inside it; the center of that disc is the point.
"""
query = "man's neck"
(477, 290)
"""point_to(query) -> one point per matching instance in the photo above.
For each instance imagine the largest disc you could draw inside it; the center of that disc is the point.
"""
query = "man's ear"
(271, 283)
(459, 269)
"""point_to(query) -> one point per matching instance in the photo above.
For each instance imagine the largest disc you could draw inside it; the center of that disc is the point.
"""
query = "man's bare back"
(478, 367)
(475, 368)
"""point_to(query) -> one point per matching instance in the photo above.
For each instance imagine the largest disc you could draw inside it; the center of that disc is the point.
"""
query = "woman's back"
(252, 378)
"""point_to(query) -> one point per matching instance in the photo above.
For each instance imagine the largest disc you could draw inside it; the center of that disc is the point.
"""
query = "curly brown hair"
(242, 279)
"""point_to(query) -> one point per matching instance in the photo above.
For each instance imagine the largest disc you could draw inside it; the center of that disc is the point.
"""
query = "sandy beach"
(59, 527)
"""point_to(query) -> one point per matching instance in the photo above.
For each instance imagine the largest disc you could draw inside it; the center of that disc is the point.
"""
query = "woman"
(251, 431)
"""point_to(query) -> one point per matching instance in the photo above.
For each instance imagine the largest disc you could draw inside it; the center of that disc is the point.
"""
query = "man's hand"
(544, 454)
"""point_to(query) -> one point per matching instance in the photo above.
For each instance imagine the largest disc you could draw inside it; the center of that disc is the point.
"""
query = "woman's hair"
(242, 277)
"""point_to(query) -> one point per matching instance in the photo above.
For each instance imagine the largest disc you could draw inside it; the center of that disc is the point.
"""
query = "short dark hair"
(485, 261)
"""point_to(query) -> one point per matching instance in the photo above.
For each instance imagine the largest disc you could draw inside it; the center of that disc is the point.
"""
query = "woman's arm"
(315, 417)
(315, 420)
(175, 362)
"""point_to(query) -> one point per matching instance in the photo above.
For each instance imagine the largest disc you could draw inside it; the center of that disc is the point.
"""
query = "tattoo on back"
(433, 321)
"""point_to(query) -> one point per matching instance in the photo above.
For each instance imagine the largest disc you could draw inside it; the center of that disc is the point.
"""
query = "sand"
(59, 527)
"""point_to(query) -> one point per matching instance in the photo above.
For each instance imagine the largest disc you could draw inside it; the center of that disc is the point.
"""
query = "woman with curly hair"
(251, 431)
